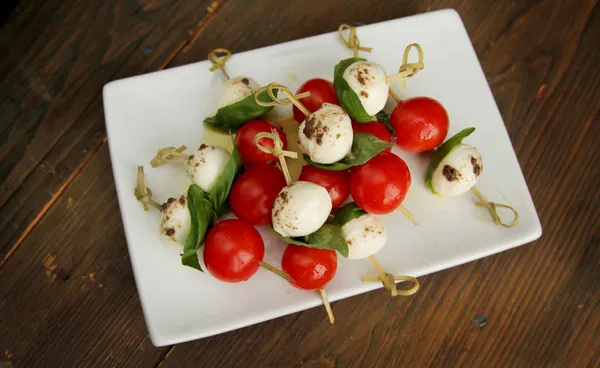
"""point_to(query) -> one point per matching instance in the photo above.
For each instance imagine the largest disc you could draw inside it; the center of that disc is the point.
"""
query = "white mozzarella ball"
(365, 236)
(300, 209)
(206, 164)
(326, 134)
(236, 89)
(458, 172)
(176, 221)
(367, 80)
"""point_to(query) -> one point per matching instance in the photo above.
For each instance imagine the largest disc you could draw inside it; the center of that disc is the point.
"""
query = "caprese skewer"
(362, 86)
(310, 269)
(212, 168)
(236, 104)
(203, 166)
(365, 235)
(175, 221)
(455, 168)
(301, 208)
(233, 249)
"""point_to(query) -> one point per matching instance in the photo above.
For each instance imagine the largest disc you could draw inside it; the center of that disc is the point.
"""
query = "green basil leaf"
(384, 117)
(336, 166)
(365, 146)
(220, 190)
(329, 236)
(231, 117)
(201, 213)
(348, 98)
(222, 210)
(348, 213)
(442, 152)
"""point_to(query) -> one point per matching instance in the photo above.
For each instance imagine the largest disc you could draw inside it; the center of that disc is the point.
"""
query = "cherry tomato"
(380, 185)
(420, 123)
(337, 183)
(377, 128)
(321, 91)
(309, 268)
(248, 149)
(254, 192)
(233, 250)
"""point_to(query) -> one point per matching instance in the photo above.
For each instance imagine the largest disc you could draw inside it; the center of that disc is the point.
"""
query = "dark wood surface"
(67, 295)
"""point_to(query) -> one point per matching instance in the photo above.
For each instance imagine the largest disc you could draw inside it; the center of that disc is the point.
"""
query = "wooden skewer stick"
(276, 151)
(327, 305)
(218, 57)
(493, 210)
(382, 274)
(168, 154)
(406, 292)
(143, 193)
(275, 270)
(395, 96)
(290, 97)
(352, 42)
(408, 215)
(407, 69)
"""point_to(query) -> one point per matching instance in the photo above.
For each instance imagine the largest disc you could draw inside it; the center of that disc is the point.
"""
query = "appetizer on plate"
(236, 104)
(345, 138)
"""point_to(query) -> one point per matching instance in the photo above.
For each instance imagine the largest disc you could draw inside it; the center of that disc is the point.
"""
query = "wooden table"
(67, 292)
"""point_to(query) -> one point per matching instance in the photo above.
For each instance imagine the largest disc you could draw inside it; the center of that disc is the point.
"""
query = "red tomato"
(337, 183)
(245, 141)
(309, 268)
(254, 192)
(376, 128)
(233, 250)
(380, 185)
(420, 123)
(321, 91)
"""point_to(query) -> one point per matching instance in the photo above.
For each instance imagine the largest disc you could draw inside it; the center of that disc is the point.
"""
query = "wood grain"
(58, 57)
(541, 301)
(68, 296)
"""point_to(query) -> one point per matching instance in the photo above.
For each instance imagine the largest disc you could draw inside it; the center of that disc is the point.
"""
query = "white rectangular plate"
(167, 109)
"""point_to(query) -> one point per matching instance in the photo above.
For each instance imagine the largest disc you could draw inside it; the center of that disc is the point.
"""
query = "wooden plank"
(68, 297)
(58, 57)
(541, 300)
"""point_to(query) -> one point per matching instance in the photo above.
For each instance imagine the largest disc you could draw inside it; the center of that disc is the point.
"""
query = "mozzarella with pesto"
(206, 164)
(365, 236)
(326, 134)
(367, 80)
(300, 209)
(458, 171)
(176, 221)
(236, 89)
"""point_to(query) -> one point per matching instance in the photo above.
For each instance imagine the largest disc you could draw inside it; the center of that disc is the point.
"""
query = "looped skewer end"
(290, 97)
(218, 58)
(492, 209)
(168, 154)
(407, 69)
(142, 192)
(277, 151)
(391, 279)
(352, 42)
